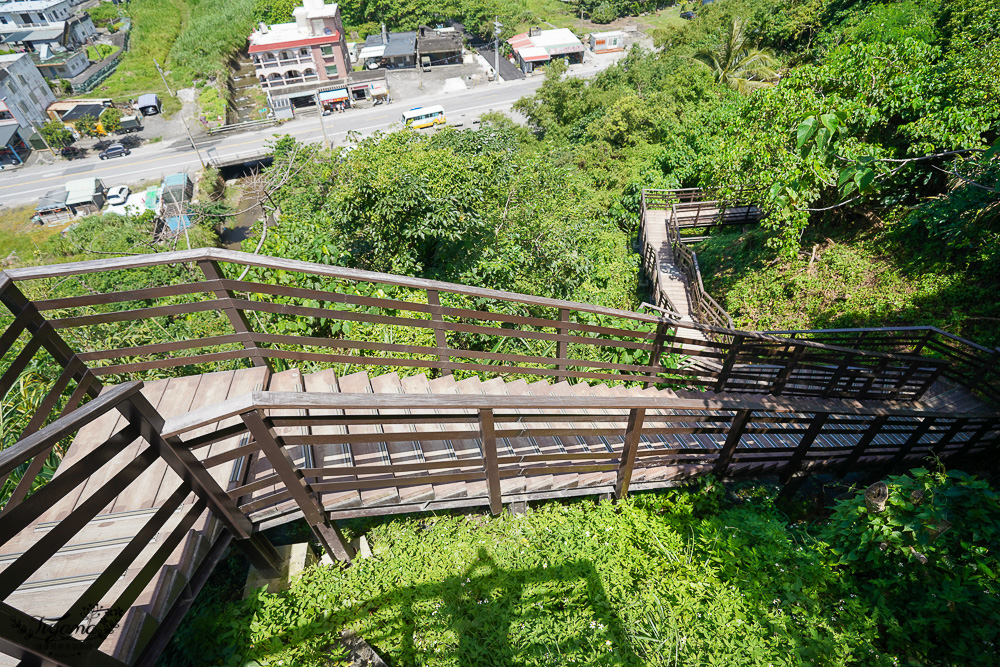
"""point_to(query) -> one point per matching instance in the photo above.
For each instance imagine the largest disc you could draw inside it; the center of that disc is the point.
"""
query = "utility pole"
(160, 70)
(322, 125)
(497, 27)
(186, 128)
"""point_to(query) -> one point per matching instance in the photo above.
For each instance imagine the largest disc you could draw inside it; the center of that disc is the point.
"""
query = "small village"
(51, 110)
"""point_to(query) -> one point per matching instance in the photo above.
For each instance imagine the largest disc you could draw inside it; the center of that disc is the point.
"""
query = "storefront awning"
(333, 95)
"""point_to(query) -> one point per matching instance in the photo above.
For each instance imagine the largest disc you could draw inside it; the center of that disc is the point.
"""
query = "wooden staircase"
(62, 579)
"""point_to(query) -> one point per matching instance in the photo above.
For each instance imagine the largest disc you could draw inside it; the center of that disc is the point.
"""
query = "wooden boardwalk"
(671, 282)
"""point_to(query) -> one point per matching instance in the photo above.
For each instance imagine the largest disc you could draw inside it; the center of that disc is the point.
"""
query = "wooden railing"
(375, 320)
(972, 365)
(638, 442)
(19, 634)
(651, 439)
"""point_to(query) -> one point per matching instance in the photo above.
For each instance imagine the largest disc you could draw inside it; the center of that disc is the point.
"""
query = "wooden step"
(368, 453)
(334, 454)
(434, 450)
(402, 452)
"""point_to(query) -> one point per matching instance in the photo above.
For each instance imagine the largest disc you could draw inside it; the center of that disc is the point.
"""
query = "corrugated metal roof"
(80, 190)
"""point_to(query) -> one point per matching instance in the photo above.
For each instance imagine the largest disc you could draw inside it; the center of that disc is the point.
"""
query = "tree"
(111, 120)
(738, 63)
(87, 126)
(56, 134)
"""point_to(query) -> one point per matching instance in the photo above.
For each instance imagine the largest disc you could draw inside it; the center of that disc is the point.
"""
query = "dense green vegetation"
(842, 147)
(684, 577)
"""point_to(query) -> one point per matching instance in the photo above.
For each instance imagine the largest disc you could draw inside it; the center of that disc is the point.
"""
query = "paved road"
(154, 161)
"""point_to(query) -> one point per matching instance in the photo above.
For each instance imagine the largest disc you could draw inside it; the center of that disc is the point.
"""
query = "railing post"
(727, 366)
(786, 372)
(949, 435)
(918, 348)
(736, 428)
(629, 448)
(911, 442)
(212, 271)
(795, 463)
(562, 347)
(866, 439)
(440, 336)
(486, 428)
(866, 388)
(656, 354)
(974, 439)
(838, 373)
(292, 479)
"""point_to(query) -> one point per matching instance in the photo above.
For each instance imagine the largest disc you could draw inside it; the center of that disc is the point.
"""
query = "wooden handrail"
(265, 400)
(44, 438)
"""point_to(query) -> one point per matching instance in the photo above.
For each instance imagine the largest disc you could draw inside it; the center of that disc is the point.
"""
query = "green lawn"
(662, 19)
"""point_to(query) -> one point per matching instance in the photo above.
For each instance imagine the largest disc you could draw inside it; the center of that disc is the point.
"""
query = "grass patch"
(21, 241)
(96, 52)
(191, 39)
(663, 18)
(684, 577)
(873, 276)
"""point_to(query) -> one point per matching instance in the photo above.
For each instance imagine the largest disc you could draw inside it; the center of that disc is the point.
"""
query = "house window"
(317, 26)
(3, 19)
(331, 70)
(304, 52)
(327, 49)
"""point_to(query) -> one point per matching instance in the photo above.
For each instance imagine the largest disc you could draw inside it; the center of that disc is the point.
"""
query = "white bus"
(424, 117)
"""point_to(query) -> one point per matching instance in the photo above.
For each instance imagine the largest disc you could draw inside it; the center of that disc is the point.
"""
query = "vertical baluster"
(440, 336)
(489, 437)
(629, 448)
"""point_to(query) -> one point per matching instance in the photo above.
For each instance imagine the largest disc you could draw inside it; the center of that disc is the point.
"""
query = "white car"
(118, 196)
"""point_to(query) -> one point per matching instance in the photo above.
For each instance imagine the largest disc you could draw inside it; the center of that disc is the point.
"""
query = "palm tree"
(737, 63)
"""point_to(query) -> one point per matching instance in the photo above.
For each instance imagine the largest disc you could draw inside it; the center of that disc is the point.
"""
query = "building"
(85, 196)
(439, 46)
(392, 50)
(536, 47)
(59, 64)
(31, 22)
(606, 42)
(294, 60)
(34, 13)
(24, 97)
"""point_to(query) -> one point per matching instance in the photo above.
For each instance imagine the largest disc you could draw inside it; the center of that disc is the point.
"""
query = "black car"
(70, 152)
(688, 15)
(114, 150)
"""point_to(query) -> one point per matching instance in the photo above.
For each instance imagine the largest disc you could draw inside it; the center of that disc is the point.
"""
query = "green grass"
(191, 39)
(21, 239)
(96, 52)
(663, 18)
(660, 579)
(870, 277)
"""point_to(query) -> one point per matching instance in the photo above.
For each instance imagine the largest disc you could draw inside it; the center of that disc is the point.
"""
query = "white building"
(34, 13)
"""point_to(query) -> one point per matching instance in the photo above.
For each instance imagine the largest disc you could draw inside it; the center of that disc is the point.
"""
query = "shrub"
(930, 559)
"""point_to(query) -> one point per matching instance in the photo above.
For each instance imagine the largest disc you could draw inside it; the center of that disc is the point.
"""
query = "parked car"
(688, 15)
(114, 150)
(70, 152)
(118, 195)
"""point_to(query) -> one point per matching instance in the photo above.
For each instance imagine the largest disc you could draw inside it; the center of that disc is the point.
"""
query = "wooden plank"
(331, 455)
(368, 453)
(157, 394)
(213, 389)
(401, 452)
(434, 450)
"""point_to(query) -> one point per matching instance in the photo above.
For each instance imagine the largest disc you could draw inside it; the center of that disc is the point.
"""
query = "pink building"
(298, 58)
